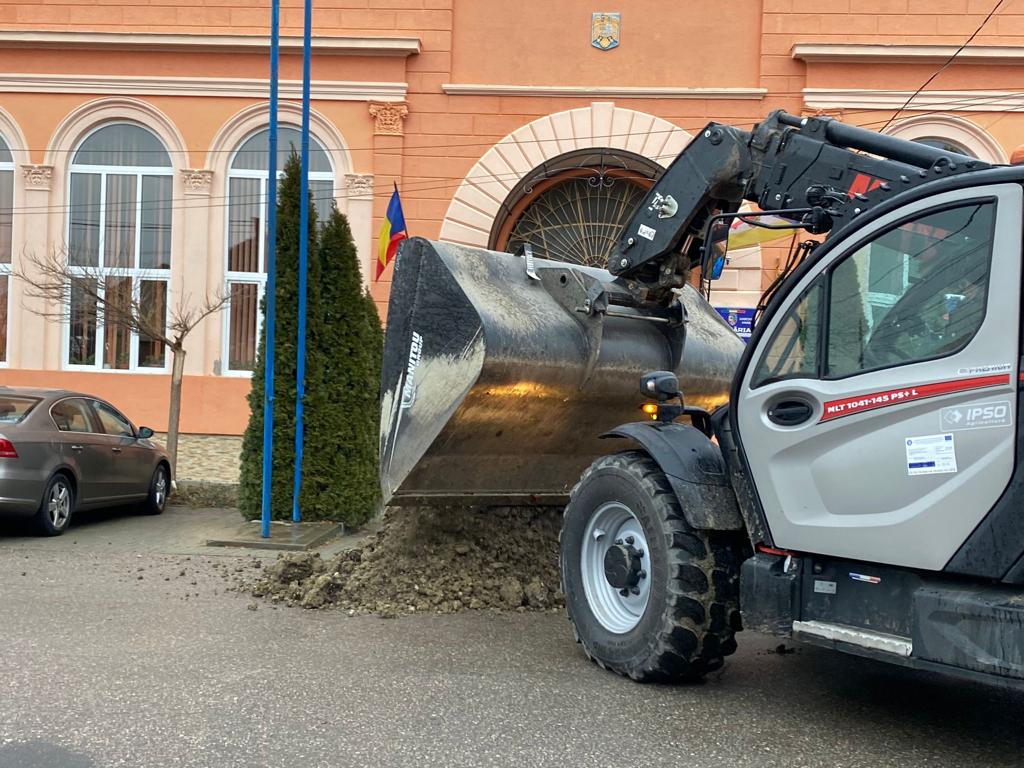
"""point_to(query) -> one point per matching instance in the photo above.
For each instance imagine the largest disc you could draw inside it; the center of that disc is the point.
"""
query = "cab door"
(877, 415)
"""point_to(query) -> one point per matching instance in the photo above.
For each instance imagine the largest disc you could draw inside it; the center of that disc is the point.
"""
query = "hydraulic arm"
(823, 171)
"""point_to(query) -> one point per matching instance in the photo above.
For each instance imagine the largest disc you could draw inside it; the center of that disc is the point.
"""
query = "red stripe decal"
(836, 409)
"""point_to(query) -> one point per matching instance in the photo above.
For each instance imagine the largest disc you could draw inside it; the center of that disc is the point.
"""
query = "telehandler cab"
(853, 477)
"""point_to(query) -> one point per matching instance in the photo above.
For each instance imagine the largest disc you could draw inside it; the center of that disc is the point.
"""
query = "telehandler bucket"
(497, 383)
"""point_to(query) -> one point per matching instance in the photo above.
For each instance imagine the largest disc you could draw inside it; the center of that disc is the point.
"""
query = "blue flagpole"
(300, 368)
(271, 290)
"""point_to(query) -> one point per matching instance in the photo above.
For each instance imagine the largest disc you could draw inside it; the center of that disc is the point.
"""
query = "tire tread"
(701, 612)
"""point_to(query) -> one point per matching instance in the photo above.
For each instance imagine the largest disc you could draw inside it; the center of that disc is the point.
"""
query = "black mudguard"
(695, 469)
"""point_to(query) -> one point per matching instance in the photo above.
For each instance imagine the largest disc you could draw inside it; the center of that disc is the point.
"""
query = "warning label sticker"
(647, 232)
(931, 455)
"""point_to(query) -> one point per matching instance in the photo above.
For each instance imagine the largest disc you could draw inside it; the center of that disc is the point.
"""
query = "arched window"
(951, 133)
(946, 145)
(6, 220)
(573, 207)
(119, 232)
(246, 238)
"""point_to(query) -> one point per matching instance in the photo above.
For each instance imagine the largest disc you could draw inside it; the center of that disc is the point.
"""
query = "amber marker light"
(651, 409)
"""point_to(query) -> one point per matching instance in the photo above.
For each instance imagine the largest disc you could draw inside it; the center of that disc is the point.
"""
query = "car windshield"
(13, 409)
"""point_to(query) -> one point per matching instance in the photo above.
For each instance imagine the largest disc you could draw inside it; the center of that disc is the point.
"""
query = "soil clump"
(440, 560)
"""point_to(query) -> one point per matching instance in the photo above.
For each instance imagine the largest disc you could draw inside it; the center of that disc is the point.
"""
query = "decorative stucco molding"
(236, 87)
(388, 117)
(37, 176)
(476, 202)
(359, 186)
(197, 181)
(947, 101)
(147, 41)
(957, 129)
(601, 91)
(864, 53)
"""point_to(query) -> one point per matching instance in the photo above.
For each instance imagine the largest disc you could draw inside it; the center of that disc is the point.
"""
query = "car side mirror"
(145, 433)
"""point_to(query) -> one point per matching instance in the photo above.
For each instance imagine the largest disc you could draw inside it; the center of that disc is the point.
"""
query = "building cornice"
(945, 101)
(863, 53)
(149, 41)
(108, 85)
(601, 91)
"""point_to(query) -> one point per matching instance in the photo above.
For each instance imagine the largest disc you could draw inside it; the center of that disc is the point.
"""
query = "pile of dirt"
(430, 560)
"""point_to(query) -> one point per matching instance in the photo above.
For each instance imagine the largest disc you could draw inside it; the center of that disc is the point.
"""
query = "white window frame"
(7, 270)
(259, 278)
(136, 274)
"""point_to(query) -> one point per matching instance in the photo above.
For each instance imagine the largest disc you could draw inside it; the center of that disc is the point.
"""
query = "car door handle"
(789, 413)
(115, 449)
(77, 448)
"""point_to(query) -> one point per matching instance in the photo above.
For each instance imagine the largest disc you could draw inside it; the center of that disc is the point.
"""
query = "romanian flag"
(392, 232)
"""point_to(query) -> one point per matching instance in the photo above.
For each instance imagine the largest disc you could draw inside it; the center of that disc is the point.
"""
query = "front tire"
(159, 489)
(648, 596)
(58, 504)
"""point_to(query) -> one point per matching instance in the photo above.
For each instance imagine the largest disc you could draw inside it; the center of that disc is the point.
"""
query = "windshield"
(13, 409)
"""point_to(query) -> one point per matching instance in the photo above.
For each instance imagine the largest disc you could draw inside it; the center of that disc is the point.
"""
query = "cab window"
(793, 351)
(915, 292)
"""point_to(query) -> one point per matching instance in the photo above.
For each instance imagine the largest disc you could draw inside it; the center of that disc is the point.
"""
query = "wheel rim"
(160, 488)
(58, 506)
(612, 524)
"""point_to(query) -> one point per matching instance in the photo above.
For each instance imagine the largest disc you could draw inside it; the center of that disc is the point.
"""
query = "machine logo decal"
(931, 455)
(847, 406)
(984, 370)
(409, 387)
(977, 416)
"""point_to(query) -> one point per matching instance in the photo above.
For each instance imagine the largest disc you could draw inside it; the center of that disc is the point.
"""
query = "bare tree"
(52, 280)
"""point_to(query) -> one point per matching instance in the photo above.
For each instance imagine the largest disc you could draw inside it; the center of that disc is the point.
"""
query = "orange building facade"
(133, 140)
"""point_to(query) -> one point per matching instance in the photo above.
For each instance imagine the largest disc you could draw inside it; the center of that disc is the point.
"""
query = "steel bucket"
(496, 391)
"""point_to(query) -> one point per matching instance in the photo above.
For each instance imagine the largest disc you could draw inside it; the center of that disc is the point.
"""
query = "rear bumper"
(20, 495)
(20, 507)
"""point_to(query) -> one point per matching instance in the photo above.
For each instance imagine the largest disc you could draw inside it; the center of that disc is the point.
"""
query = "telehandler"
(853, 477)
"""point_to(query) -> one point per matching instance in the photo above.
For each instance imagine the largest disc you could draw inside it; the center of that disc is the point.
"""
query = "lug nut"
(630, 539)
(618, 541)
(635, 590)
(639, 553)
(642, 574)
(624, 592)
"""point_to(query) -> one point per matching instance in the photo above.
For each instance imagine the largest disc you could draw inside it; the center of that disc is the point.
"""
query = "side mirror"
(660, 385)
(145, 433)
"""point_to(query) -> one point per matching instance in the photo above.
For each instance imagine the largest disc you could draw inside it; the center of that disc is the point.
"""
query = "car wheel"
(55, 510)
(159, 487)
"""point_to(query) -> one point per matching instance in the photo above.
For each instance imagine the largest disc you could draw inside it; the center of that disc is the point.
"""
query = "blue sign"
(740, 319)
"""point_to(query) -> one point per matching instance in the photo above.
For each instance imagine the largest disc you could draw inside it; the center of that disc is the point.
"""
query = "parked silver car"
(61, 452)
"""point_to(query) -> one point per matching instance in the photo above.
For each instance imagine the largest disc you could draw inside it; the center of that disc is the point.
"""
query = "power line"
(948, 61)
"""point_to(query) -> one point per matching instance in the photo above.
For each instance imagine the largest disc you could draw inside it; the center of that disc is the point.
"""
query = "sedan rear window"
(14, 409)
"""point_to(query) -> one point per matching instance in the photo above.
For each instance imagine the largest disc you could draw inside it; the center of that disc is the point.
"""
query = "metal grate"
(577, 220)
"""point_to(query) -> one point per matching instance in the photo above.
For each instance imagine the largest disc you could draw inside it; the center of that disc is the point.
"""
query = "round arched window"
(946, 145)
(573, 207)
(246, 241)
(119, 234)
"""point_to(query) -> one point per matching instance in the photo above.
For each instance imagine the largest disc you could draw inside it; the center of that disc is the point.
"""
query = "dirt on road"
(429, 560)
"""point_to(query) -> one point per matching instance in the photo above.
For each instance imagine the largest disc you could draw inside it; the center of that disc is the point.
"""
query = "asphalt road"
(119, 646)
